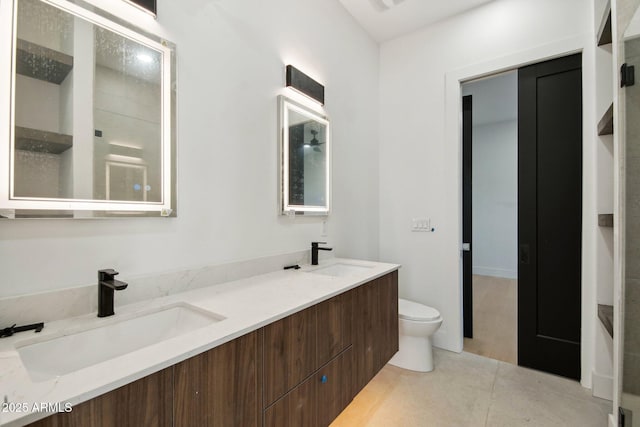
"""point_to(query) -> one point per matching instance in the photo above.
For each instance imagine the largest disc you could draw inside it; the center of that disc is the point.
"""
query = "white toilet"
(418, 323)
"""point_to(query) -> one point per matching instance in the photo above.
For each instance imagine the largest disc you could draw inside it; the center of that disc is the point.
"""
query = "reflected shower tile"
(632, 246)
(631, 372)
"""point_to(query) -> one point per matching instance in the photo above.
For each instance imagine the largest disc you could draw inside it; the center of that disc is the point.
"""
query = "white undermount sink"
(340, 269)
(52, 357)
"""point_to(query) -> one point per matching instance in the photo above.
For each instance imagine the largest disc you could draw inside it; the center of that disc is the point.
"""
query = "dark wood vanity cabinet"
(352, 336)
(301, 371)
(219, 387)
(307, 359)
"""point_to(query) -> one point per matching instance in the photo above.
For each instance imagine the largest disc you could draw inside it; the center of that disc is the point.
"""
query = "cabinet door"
(375, 327)
(363, 334)
(289, 353)
(220, 387)
(334, 327)
(386, 313)
(146, 402)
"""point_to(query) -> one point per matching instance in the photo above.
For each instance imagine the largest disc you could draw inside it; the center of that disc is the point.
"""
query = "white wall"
(495, 199)
(420, 147)
(231, 60)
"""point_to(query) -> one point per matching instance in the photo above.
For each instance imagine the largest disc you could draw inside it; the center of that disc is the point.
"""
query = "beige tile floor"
(470, 390)
(495, 319)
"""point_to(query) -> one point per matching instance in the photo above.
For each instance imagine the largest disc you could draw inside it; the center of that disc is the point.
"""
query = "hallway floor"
(495, 319)
(470, 390)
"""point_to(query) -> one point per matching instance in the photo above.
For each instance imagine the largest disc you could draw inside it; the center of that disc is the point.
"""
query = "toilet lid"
(410, 310)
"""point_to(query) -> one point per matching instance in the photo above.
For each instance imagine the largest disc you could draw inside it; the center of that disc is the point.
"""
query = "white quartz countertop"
(246, 305)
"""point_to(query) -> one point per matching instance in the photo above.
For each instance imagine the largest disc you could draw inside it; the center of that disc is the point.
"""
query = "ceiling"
(388, 19)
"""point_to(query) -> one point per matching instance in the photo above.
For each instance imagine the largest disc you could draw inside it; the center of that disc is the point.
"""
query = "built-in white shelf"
(605, 220)
(604, 32)
(605, 314)
(605, 125)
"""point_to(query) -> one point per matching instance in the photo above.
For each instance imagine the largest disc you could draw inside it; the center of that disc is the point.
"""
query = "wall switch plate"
(421, 224)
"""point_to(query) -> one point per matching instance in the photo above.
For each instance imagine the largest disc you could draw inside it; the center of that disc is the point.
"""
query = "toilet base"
(415, 354)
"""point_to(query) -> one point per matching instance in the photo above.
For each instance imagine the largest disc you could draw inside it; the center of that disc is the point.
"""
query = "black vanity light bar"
(304, 84)
(149, 6)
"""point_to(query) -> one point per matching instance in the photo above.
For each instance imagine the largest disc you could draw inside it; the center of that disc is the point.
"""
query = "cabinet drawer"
(335, 393)
(318, 400)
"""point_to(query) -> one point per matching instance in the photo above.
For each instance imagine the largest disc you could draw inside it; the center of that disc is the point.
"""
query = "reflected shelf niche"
(40, 62)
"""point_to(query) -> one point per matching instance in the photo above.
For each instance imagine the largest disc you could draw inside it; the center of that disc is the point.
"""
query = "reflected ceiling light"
(124, 159)
(144, 57)
(126, 145)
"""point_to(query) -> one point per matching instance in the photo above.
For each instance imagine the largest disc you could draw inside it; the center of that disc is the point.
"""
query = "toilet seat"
(410, 310)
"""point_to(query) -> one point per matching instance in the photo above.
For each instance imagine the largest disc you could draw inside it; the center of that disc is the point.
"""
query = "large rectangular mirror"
(304, 160)
(91, 112)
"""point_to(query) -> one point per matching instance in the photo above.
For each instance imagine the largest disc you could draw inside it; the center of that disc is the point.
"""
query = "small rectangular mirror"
(92, 113)
(304, 160)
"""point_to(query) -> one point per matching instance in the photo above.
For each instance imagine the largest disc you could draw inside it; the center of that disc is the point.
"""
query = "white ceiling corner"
(388, 19)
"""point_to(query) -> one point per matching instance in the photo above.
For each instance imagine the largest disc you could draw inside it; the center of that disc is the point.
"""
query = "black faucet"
(106, 287)
(314, 251)
(7, 332)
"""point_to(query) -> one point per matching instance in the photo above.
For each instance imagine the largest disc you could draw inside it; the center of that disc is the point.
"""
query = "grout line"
(493, 386)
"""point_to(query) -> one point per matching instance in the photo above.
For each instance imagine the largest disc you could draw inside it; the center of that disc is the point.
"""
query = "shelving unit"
(605, 75)
(42, 63)
(605, 220)
(605, 314)
(52, 66)
(39, 96)
(604, 32)
(605, 126)
(42, 141)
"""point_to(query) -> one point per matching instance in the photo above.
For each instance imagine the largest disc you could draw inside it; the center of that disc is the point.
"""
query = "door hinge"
(627, 75)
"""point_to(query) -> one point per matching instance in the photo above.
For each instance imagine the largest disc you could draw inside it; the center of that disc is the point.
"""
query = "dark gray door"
(550, 215)
(467, 262)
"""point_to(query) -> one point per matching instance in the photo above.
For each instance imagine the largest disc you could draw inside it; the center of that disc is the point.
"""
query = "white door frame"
(453, 153)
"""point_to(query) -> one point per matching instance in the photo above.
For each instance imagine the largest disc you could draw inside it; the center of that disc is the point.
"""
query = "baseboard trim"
(602, 386)
(495, 272)
(612, 421)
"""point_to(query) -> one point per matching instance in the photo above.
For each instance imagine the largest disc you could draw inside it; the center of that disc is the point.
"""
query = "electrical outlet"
(421, 224)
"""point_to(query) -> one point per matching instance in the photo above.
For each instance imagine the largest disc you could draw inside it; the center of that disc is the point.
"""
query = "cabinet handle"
(323, 379)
